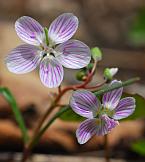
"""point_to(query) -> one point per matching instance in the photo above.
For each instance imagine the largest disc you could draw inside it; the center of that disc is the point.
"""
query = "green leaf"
(11, 100)
(140, 106)
(139, 147)
(70, 115)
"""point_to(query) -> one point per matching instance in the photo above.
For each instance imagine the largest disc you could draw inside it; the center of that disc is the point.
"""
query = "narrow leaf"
(18, 116)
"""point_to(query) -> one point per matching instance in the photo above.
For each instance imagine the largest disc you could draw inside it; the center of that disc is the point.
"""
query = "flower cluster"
(101, 117)
(50, 48)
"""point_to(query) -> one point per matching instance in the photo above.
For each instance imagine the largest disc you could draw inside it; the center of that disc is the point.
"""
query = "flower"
(50, 48)
(101, 118)
(110, 72)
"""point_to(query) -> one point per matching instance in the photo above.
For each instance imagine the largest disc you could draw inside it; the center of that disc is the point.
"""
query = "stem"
(59, 89)
(96, 86)
(106, 148)
(26, 154)
(113, 87)
(89, 77)
(38, 136)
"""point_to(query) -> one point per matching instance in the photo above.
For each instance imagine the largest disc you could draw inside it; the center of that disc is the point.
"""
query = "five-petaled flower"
(101, 117)
(51, 48)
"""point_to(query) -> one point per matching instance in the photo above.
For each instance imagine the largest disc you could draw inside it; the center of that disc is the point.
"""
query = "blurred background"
(118, 28)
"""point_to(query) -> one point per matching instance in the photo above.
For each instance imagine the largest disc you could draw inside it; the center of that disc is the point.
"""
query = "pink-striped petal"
(85, 103)
(29, 30)
(105, 125)
(51, 72)
(86, 130)
(23, 59)
(63, 28)
(111, 99)
(73, 54)
(125, 108)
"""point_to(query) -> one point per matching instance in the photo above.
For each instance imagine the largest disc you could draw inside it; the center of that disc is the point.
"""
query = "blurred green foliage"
(139, 147)
(140, 106)
(137, 29)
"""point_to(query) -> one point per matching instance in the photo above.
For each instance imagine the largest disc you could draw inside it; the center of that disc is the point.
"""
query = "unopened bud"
(110, 72)
(96, 54)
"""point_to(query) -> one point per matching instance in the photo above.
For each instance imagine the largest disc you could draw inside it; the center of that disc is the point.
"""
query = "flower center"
(47, 51)
(105, 111)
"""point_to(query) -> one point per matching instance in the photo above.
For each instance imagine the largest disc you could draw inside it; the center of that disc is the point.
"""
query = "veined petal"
(51, 72)
(86, 130)
(111, 99)
(73, 54)
(125, 108)
(29, 30)
(23, 59)
(63, 28)
(105, 125)
(85, 103)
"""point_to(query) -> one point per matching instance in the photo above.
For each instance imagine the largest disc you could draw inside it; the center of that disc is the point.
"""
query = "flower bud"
(90, 66)
(110, 72)
(81, 75)
(96, 53)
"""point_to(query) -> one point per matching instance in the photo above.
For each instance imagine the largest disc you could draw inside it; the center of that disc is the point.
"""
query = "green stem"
(116, 86)
(57, 115)
(46, 36)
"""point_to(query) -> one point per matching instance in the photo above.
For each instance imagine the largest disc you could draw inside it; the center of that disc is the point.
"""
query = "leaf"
(70, 115)
(139, 147)
(140, 106)
(18, 116)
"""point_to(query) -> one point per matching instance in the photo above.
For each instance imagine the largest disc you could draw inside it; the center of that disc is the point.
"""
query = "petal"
(125, 108)
(84, 103)
(105, 125)
(51, 72)
(23, 59)
(74, 54)
(86, 130)
(111, 99)
(29, 30)
(63, 28)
